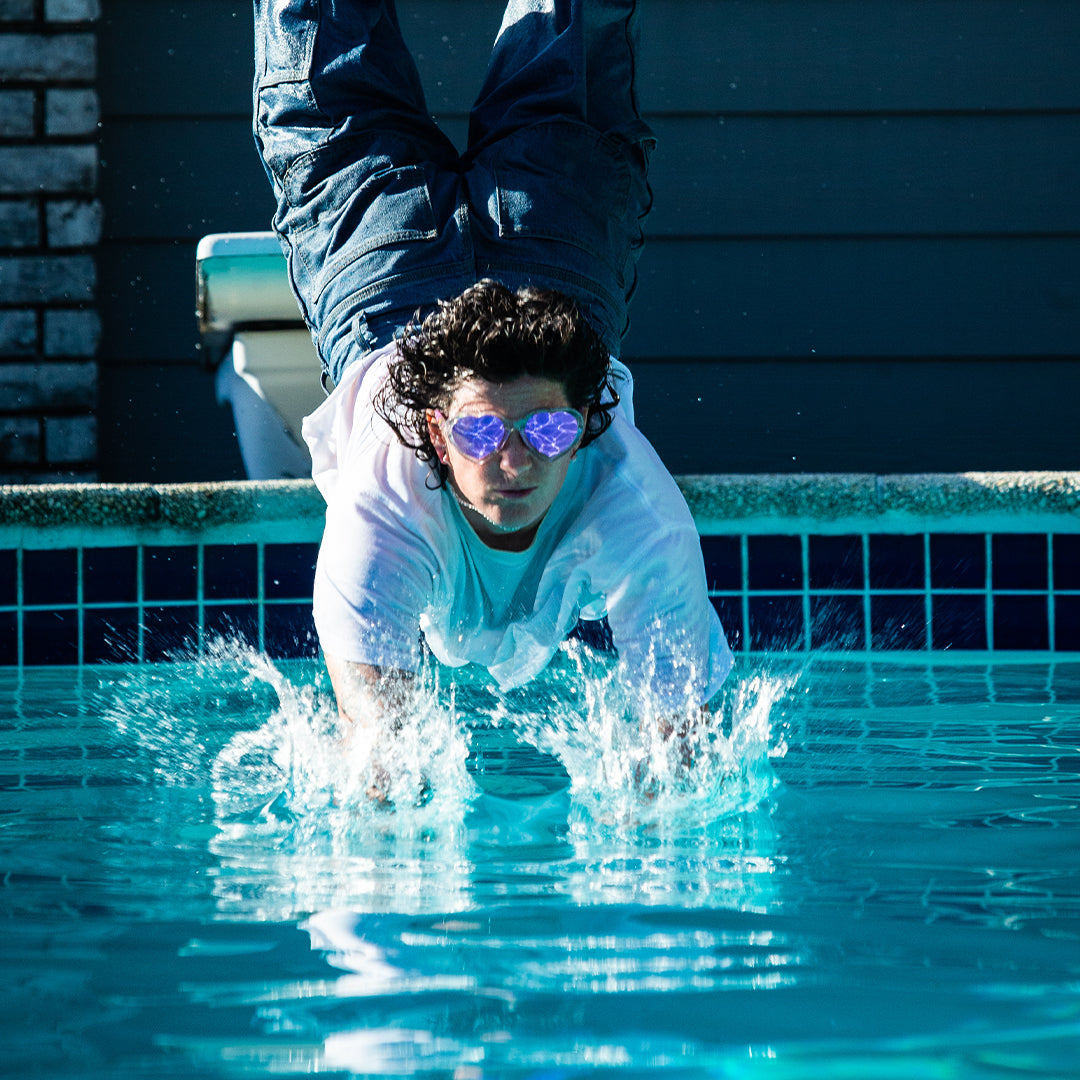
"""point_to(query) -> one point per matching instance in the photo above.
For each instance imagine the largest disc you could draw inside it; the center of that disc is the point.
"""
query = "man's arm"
(375, 699)
(368, 695)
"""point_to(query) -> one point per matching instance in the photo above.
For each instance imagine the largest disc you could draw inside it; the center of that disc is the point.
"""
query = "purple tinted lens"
(548, 433)
(551, 433)
(479, 436)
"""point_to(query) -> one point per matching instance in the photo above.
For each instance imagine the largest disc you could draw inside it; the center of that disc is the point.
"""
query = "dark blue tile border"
(1021, 622)
(723, 562)
(1020, 561)
(1066, 561)
(957, 561)
(230, 571)
(170, 573)
(896, 562)
(1067, 622)
(110, 575)
(786, 593)
(50, 578)
(836, 562)
(775, 562)
(837, 623)
(958, 622)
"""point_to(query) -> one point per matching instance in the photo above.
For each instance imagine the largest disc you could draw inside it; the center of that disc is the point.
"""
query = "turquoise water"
(869, 870)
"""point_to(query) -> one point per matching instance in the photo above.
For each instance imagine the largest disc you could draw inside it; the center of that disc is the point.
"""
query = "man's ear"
(436, 435)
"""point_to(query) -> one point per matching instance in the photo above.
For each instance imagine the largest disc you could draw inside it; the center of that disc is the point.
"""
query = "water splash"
(632, 761)
(296, 828)
(172, 719)
(279, 750)
(305, 759)
(282, 785)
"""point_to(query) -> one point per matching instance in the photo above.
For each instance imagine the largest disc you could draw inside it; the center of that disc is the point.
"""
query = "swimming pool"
(870, 871)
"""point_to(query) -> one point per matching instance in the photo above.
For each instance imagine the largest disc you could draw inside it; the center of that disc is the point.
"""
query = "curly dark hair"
(492, 333)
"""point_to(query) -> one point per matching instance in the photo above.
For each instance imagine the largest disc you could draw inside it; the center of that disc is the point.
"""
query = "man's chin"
(499, 528)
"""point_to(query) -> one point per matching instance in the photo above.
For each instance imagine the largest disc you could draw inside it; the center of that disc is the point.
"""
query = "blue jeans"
(380, 216)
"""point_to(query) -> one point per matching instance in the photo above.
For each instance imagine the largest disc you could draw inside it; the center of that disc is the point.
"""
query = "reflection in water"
(546, 790)
(904, 903)
(553, 864)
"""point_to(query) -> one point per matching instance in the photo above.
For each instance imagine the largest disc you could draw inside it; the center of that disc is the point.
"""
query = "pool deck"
(827, 503)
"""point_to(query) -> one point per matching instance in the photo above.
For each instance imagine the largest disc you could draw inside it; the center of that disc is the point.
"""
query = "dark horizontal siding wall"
(865, 252)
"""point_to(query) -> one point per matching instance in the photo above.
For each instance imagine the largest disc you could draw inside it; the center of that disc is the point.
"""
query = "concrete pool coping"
(826, 503)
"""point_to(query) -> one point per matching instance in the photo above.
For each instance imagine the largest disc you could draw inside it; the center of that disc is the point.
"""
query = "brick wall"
(50, 225)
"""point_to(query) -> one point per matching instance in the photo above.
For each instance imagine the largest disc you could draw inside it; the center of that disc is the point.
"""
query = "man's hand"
(687, 731)
(375, 699)
(367, 695)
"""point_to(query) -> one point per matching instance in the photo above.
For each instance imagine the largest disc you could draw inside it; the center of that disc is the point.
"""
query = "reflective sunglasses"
(547, 432)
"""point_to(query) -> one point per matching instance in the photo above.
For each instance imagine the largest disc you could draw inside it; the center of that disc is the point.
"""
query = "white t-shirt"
(398, 557)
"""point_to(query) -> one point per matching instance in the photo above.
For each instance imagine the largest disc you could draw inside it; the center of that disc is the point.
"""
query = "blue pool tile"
(957, 561)
(171, 633)
(836, 562)
(238, 623)
(729, 608)
(897, 623)
(51, 637)
(776, 624)
(958, 621)
(896, 562)
(110, 575)
(1021, 622)
(837, 623)
(110, 636)
(1019, 561)
(289, 570)
(9, 638)
(230, 571)
(169, 573)
(8, 570)
(1067, 623)
(1067, 561)
(723, 562)
(290, 632)
(775, 562)
(50, 577)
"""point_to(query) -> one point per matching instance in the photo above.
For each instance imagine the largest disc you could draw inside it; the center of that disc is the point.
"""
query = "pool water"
(870, 869)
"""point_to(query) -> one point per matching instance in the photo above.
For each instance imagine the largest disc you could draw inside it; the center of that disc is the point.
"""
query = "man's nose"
(516, 456)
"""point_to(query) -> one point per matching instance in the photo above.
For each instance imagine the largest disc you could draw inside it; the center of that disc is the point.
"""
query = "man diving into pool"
(486, 488)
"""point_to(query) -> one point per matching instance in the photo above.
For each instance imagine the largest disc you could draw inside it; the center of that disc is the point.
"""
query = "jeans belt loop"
(362, 332)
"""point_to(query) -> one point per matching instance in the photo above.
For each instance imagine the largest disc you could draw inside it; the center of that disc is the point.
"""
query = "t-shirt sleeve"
(374, 574)
(668, 635)
(670, 642)
(372, 581)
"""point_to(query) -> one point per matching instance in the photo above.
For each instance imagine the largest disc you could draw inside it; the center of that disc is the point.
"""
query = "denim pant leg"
(371, 211)
(558, 156)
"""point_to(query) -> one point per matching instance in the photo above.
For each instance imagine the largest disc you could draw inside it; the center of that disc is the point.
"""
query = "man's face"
(505, 496)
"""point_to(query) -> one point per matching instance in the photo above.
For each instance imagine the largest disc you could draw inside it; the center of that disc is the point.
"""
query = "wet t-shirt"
(399, 558)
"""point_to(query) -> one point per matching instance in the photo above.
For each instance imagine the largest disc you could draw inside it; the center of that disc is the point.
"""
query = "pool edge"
(973, 501)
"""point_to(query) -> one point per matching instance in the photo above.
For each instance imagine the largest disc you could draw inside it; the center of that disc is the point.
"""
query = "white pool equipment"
(253, 336)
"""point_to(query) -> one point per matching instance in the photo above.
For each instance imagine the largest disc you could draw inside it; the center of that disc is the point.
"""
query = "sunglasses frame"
(446, 425)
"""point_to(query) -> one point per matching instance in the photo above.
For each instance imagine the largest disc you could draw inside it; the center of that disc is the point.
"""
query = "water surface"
(869, 870)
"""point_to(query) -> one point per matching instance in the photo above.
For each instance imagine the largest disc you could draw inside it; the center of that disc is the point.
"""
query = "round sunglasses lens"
(478, 436)
(552, 433)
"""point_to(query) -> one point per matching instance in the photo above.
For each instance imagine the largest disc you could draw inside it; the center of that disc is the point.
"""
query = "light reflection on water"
(870, 872)
(520, 784)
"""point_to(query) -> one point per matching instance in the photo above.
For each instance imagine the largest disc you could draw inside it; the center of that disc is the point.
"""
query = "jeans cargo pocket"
(348, 213)
(565, 182)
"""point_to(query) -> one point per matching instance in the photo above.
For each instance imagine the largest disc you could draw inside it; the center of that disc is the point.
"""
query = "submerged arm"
(368, 695)
(376, 700)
